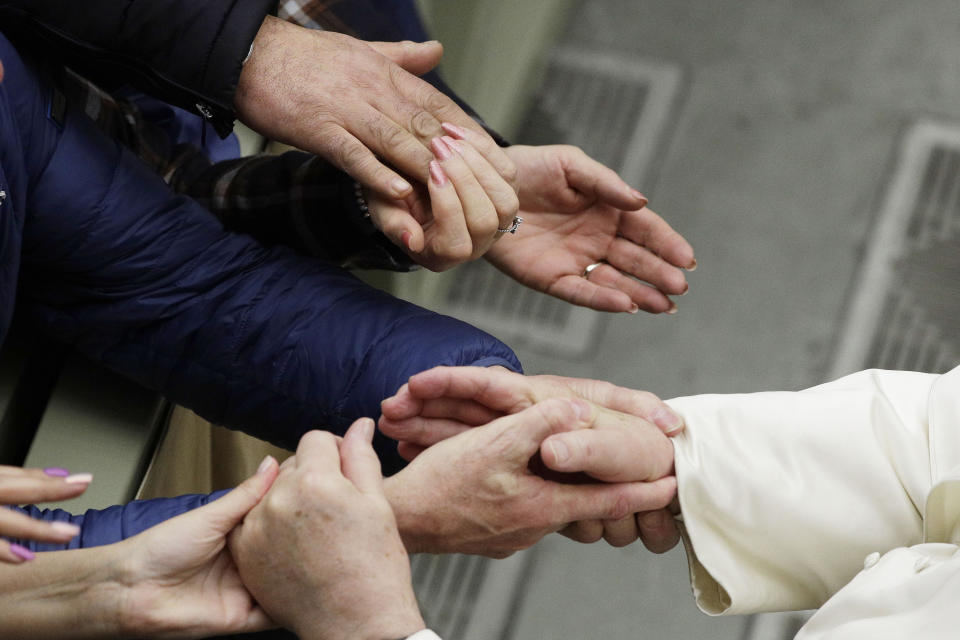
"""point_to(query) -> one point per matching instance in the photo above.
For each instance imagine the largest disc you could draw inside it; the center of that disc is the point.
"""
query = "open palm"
(576, 213)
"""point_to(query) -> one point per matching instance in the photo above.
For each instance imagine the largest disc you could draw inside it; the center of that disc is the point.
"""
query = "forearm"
(783, 494)
(63, 595)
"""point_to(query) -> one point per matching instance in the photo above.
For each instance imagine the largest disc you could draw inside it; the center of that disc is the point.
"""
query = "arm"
(812, 483)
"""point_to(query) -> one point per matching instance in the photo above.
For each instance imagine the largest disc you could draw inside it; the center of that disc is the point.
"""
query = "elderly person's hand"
(475, 492)
(22, 486)
(357, 104)
(443, 402)
(321, 553)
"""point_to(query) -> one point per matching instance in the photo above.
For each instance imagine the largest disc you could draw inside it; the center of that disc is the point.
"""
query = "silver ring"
(517, 221)
(591, 267)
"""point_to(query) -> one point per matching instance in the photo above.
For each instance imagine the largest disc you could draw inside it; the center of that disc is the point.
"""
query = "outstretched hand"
(578, 212)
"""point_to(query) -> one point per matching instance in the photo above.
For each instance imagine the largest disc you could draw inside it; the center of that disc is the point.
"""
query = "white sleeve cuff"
(426, 634)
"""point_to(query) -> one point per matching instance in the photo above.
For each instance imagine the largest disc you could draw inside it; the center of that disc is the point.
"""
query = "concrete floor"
(778, 160)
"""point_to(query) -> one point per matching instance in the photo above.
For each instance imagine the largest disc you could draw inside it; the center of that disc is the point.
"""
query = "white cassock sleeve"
(783, 495)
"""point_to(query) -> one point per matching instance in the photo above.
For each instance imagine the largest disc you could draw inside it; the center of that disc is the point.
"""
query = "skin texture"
(357, 104)
(322, 553)
(477, 492)
(176, 580)
(446, 401)
(23, 486)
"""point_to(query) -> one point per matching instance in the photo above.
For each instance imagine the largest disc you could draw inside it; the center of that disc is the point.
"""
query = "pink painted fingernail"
(79, 478)
(693, 265)
(440, 149)
(453, 144)
(437, 174)
(56, 472)
(455, 131)
(65, 528)
(22, 552)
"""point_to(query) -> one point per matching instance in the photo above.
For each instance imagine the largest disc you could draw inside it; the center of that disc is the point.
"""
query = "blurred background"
(810, 152)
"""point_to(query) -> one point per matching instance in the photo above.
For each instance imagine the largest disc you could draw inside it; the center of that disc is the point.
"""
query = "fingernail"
(65, 528)
(405, 239)
(265, 464)
(56, 472)
(560, 451)
(693, 265)
(653, 520)
(639, 196)
(457, 132)
(667, 420)
(673, 308)
(633, 309)
(400, 187)
(686, 288)
(453, 144)
(437, 174)
(22, 552)
(440, 149)
(366, 429)
(79, 478)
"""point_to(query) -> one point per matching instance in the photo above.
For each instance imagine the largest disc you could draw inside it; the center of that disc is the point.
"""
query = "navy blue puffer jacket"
(105, 257)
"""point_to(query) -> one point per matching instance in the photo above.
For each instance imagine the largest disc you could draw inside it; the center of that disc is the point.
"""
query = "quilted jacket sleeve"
(185, 52)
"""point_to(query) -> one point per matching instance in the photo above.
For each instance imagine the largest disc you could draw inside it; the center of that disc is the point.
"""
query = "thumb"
(227, 512)
(556, 415)
(358, 460)
(417, 58)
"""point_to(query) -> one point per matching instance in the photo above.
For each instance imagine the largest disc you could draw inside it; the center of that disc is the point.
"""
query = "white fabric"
(784, 495)
(426, 634)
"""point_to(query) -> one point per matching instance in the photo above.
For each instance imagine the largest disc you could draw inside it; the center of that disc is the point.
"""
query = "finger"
(353, 157)
(641, 263)
(401, 405)
(587, 531)
(600, 183)
(417, 58)
(642, 404)
(530, 427)
(611, 452)
(358, 459)
(319, 450)
(448, 240)
(32, 488)
(422, 431)
(589, 293)
(465, 412)
(12, 553)
(227, 512)
(397, 145)
(393, 218)
(409, 451)
(19, 525)
(649, 230)
(572, 503)
(641, 296)
(620, 533)
(480, 140)
(496, 389)
(479, 212)
(658, 530)
(501, 193)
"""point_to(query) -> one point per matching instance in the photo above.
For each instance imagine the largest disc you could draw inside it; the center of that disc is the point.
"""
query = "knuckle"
(619, 508)
(510, 173)
(434, 101)
(425, 126)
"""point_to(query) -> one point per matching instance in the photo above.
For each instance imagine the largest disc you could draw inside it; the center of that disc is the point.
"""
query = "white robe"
(846, 494)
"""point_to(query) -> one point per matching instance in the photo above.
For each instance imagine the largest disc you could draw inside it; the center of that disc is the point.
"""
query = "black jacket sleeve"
(185, 52)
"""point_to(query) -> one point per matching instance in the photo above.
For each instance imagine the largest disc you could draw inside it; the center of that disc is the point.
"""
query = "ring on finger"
(517, 221)
(590, 267)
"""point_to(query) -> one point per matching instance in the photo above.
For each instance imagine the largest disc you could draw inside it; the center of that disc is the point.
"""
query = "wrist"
(408, 521)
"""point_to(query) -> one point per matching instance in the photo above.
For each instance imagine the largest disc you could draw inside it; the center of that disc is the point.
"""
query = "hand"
(22, 486)
(351, 101)
(321, 553)
(576, 213)
(468, 202)
(475, 493)
(179, 579)
(444, 401)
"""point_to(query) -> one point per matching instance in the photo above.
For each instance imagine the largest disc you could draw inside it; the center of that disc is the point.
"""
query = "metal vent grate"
(615, 108)
(907, 303)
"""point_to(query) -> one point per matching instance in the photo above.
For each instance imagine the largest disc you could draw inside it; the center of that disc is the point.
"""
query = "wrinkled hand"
(457, 219)
(576, 213)
(445, 401)
(22, 486)
(179, 577)
(352, 102)
(321, 553)
(475, 492)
